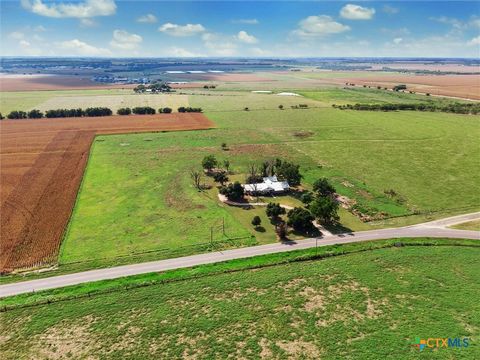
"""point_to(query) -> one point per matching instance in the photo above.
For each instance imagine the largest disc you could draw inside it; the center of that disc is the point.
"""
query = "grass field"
(470, 225)
(69, 99)
(333, 308)
(137, 197)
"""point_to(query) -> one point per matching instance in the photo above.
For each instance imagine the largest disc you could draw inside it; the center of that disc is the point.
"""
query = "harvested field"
(429, 67)
(42, 164)
(227, 77)
(52, 82)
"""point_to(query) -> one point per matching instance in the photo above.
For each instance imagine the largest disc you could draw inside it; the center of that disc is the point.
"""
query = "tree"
(166, 110)
(256, 221)
(323, 187)
(142, 110)
(196, 177)
(226, 165)
(35, 114)
(17, 115)
(1, 116)
(307, 197)
(124, 111)
(253, 175)
(289, 172)
(280, 107)
(274, 210)
(246, 109)
(209, 162)
(233, 191)
(281, 230)
(300, 219)
(220, 177)
(325, 209)
(140, 88)
(224, 146)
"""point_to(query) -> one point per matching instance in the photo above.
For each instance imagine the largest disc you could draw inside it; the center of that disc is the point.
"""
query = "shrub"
(256, 221)
(165, 110)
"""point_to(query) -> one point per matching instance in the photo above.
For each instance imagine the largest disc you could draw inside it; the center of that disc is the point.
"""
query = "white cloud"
(256, 51)
(318, 26)
(86, 22)
(457, 24)
(17, 35)
(39, 28)
(89, 8)
(180, 52)
(397, 40)
(474, 42)
(181, 30)
(24, 43)
(244, 37)
(246, 21)
(390, 9)
(356, 12)
(149, 19)
(77, 47)
(124, 40)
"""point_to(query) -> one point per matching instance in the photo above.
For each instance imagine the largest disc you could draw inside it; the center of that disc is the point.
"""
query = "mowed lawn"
(336, 308)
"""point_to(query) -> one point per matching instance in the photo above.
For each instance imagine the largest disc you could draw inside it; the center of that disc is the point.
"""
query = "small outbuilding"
(269, 186)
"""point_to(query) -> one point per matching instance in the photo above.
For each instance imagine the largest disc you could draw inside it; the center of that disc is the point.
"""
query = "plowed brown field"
(53, 82)
(42, 164)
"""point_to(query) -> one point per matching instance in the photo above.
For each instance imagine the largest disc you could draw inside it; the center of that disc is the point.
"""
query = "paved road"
(436, 228)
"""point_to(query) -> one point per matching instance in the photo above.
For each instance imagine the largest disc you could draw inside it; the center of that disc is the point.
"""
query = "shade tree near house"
(300, 219)
(325, 209)
(274, 210)
(323, 187)
(233, 191)
(220, 177)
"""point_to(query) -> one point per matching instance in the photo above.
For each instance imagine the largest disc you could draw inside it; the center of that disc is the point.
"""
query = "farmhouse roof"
(269, 184)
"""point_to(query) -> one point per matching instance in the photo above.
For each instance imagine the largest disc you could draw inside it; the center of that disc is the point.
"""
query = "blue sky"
(247, 28)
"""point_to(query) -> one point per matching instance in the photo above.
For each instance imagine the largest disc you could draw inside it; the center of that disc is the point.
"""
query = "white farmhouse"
(269, 186)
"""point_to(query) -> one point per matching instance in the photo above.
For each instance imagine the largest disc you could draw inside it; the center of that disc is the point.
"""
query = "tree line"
(92, 112)
(60, 113)
(457, 108)
(154, 88)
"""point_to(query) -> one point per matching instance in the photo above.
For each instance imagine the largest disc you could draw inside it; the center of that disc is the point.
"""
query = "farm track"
(38, 194)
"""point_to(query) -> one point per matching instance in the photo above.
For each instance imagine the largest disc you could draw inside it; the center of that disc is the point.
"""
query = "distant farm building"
(269, 186)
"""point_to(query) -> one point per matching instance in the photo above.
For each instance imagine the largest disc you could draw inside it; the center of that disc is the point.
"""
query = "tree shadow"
(338, 229)
(312, 232)
(260, 229)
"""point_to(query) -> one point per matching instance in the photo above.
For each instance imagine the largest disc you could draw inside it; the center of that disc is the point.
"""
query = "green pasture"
(338, 307)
